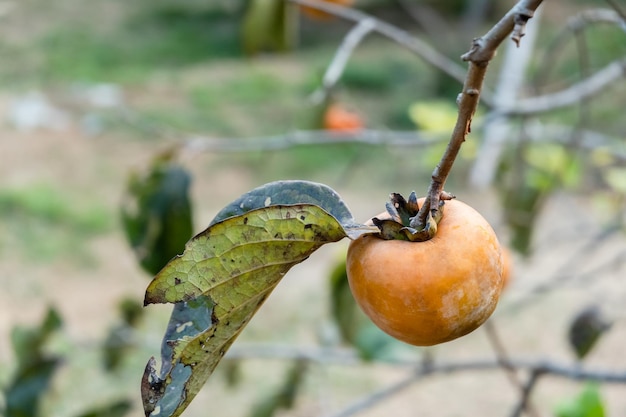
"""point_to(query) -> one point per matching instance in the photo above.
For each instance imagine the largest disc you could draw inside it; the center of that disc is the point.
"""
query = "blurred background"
(101, 100)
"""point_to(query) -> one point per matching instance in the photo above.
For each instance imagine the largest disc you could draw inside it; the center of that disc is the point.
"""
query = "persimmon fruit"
(426, 293)
(317, 14)
(338, 119)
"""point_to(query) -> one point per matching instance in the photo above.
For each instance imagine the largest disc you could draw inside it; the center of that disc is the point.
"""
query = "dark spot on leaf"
(308, 226)
(245, 220)
(177, 281)
(278, 236)
(302, 217)
(288, 215)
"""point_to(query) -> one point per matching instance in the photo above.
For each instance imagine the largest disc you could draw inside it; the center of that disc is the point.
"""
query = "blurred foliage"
(155, 38)
(354, 327)
(156, 212)
(526, 178)
(121, 338)
(588, 403)
(285, 396)
(36, 368)
(586, 329)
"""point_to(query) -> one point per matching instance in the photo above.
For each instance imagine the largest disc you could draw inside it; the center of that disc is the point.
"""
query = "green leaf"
(28, 342)
(616, 178)
(586, 404)
(225, 274)
(157, 214)
(268, 25)
(31, 381)
(586, 329)
(116, 409)
(295, 192)
(353, 325)
(285, 396)
(249, 252)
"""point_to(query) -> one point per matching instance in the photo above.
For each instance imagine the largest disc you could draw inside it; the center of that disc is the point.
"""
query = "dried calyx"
(401, 213)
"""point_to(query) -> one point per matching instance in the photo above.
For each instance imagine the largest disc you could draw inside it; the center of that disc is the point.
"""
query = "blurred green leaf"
(28, 342)
(35, 367)
(437, 116)
(121, 337)
(586, 404)
(157, 213)
(218, 285)
(29, 384)
(354, 326)
(285, 396)
(586, 329)
(268, 25)
(117, 409)
(616, 178)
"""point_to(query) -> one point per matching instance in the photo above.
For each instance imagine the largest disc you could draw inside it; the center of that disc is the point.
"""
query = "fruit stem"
(480, 54)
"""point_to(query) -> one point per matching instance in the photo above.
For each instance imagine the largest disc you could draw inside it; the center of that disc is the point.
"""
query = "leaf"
(249, 253)
(285, 396)
(117, 409)
(586, 329)
(31, 381)
(35, 368)
(201, 329)
(437, 116)
(353, 325)
(616, 178)
(157, 214)
(28, 342)
(268, 25)
(294, 192)
(586, 404)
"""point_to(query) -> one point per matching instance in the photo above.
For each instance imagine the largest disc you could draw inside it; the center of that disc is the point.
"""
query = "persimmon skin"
(426, 293)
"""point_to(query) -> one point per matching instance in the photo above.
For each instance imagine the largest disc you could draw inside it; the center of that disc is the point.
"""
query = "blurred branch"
(372, 399)
(338, 64)
(310, 137)
(503, 359)
(526, 391)
(619, 10)
(574, 94)
(413, 44)
(433, 24)
(348, 357)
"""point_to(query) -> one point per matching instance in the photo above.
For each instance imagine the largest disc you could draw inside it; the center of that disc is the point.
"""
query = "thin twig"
(526, 391)
(575, 24)
(432, 23)
(340, 60)
(376, 397)
(311, 137)
(502, 357)
(348, 357)
(482, 52)
(581, 91)
(619, 11)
